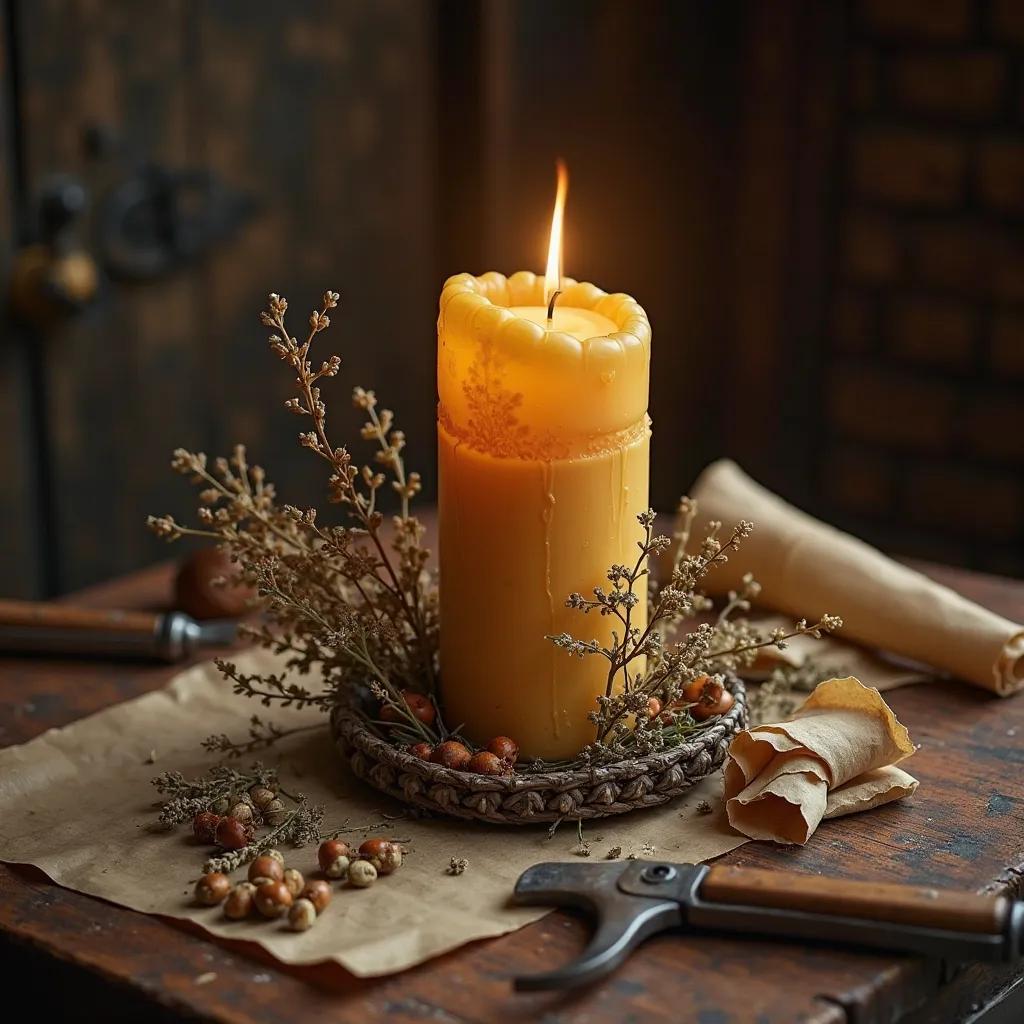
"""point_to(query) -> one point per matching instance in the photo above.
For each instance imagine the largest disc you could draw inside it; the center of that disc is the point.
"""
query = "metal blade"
(622, 920)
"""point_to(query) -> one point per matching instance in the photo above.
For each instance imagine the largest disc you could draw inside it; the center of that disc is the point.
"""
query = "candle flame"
(553, 276)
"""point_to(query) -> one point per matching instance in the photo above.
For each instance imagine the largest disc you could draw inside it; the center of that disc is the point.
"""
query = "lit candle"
(544, 461)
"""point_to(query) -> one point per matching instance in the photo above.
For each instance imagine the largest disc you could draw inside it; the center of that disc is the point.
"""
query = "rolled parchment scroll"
(807, 568)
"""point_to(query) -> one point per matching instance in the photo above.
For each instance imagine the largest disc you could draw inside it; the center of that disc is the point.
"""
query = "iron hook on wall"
(160, 218)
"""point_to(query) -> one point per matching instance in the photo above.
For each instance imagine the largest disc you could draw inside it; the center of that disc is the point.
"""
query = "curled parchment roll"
(807, 568)
(835, 756)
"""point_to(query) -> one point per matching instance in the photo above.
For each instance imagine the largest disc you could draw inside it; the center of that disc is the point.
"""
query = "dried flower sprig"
(641, 668)
(301, 827)
(355, 602)
(217, 791)
(358, 605)
(224, 786)
(262, 735)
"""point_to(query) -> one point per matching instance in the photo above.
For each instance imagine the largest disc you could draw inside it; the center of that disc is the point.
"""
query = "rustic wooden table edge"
(175, 971)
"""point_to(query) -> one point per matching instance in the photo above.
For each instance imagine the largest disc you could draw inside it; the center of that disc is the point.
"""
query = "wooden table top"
(964, 829)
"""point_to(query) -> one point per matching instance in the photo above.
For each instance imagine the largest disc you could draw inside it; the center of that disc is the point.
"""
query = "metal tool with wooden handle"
(40, 628)
(632, 901)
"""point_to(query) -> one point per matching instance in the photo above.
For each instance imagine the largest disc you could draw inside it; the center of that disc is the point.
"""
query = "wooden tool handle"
(30, 614)
(917, 906)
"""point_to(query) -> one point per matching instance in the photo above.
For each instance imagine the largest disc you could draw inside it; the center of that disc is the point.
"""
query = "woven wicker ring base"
(530, 796)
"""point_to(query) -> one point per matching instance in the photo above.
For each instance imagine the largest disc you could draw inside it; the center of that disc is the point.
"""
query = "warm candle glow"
(553, 277)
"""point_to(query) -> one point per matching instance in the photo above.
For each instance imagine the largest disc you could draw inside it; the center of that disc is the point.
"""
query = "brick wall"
(924, 390)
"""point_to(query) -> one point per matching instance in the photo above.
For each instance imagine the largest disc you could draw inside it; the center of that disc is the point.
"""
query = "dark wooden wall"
(391, 143)
(322, 111)
(640, 100)
(20, 572)
(700, 145)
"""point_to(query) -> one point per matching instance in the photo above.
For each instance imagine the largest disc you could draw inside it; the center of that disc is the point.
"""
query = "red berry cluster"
(497, 759)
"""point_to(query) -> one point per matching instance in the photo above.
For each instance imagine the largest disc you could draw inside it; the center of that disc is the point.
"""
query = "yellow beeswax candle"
(544, 461)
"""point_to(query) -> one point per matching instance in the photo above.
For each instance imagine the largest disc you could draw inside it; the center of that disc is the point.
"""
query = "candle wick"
(551, 306)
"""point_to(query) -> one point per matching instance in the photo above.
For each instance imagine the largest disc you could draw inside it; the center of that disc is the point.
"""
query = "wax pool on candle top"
(543, 447)
(580, 323)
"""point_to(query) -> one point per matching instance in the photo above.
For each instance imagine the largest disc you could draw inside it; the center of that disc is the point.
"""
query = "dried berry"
(294, 881)
(695, 690)
(318, 892)
(233, 834)
(212, 888)
(239, 903)
(273, 899)
(261, 796)
(265, 868)
(421, 750)
(422, 709)
(204, 827)
(385, 856)
(503, 747)
(274, 813)
(451, 754)
(486, 763)
(302, 916)
(242, 812)
(361, 874)
(704, 711)
(330, 853)
(654, 707)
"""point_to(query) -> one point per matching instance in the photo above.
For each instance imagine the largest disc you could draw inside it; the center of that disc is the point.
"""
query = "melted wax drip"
(548, 483)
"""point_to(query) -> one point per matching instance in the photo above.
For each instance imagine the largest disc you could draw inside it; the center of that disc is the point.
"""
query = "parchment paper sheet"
(807, 568)
(836, 755)
(75, 802)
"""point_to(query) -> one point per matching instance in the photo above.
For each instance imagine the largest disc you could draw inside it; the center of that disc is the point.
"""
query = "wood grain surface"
(962, 830)
(922, 906)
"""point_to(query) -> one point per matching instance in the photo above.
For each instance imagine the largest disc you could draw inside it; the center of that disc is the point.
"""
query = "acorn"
(243, 812)
(302, 916)
(486, 763)
(261, 796)
(318, 892)
(275, 812)
(361, 874)
(503, 747)
(204, 827)
(220, 806)
(385, 856)
(265, 868)
(294, 881)
(213, 888)
(333, 858)
(233, 834)
(421, 750)
(451, 754)
(273, 899)
(239, 903)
